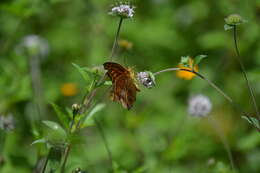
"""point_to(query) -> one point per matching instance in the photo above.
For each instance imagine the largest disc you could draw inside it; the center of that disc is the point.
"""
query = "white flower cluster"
(146, 79)
(199, 105)
(35, 45)
(7, 123)
(123, 10)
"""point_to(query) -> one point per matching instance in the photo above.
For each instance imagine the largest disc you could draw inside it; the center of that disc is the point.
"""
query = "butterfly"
(124, 87)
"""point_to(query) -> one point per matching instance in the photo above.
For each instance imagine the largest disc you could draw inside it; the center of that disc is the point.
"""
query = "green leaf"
(89, 121)
(83, 71)
(42, 141)
(108, 83)
(198, 59)
(185, 61)
(141, 169)
(252, 121)
(55, 134)
(64, 119)
(249, 142)
(228, 27)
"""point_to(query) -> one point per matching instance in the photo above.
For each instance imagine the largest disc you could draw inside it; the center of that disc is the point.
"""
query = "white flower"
(199, 105)
(34, 45)
(146, 79)
(123, 10)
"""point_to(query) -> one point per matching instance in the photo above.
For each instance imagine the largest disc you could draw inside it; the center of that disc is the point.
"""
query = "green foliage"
(157, 134)
(185, 61)
(64, 118)
(253, 121)
(85, 72)
(54, 134)
(89, 118)
(198, 59)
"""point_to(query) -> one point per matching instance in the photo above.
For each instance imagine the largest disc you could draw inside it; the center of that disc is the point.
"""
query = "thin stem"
(66, 155)
(67, 149)
(102, 133)
(46, 161)
(116, 39)
(215, 87)
(202, 77)
(224, 141)
(36, 84)
(238, 57)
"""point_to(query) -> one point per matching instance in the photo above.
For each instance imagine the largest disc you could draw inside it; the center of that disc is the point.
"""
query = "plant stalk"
(66, 155)
(238, 58)
(116, 39)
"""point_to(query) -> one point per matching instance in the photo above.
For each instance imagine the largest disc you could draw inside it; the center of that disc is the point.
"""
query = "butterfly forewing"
(114, 70)
(124, 87)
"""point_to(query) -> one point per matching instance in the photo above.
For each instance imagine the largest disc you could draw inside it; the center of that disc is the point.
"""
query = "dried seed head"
(199, 105)
(146, 78)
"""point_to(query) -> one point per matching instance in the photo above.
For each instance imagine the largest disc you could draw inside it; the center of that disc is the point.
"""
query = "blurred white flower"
(123, 10)
(146, 79)
(199, 105)
(7, 123)
(34, 45)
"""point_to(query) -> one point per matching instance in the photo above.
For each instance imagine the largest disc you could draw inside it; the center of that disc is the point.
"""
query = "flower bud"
(75, 108)
(234, 19)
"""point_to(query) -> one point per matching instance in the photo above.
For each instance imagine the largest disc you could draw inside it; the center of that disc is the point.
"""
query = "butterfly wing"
(124, 91)
(124, 88)
(114, 70)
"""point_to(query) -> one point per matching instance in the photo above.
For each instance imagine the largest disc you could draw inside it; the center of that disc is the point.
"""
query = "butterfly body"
(124, 86)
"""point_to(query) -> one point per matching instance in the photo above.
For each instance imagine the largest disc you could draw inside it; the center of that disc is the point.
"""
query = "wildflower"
(69, 89)
(146, 78)
(125, 44)
(7, 123)
(185, 74)
(199, 105)
(234, 19)
(35, 45)
(123, 11)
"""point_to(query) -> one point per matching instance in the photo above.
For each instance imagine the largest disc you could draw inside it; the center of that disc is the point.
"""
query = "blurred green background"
(157, 135)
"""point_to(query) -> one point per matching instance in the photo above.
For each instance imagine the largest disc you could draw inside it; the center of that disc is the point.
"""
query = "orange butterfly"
(124, 84)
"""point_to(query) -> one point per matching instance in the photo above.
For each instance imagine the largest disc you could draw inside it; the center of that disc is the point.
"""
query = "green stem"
(238, 57)
(213, 86)
(66, 155)
(224, 141)
(116, 39)
(102, 133)
(67, 149)
(202, 77)
(46, 161)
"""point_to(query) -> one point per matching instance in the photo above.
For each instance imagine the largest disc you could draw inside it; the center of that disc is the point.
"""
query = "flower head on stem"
(199, 105)
(188, 64)
(123, 10)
